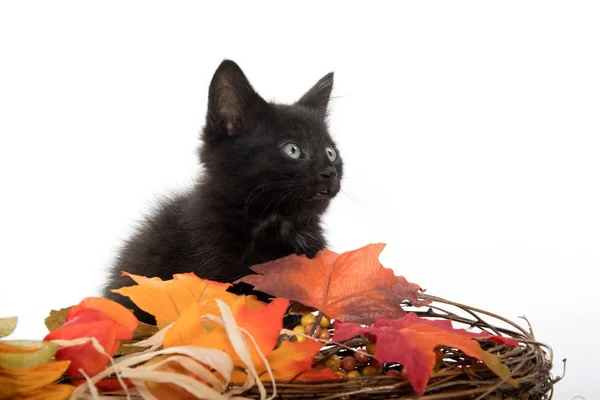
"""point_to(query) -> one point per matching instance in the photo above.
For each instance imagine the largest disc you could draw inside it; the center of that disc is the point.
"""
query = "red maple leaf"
(351, 286)
(411, 341)
(103, 319)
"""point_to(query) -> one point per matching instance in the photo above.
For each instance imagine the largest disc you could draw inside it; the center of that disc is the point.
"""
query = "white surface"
(469, 132)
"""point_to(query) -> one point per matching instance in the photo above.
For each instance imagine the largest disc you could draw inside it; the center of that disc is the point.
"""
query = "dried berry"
(369, 371)
(334, 362)
(349, 363)
(299, 329)
(308, 319)
(376, 364)
(325, 322)
(325, 335)
(354, 374)
(309, 327)
(371, 347)
(361, 357)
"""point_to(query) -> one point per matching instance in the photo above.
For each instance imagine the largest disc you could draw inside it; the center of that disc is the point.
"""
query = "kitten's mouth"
(322, 195)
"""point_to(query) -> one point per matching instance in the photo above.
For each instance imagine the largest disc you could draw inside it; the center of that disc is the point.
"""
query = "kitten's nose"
(328, 174)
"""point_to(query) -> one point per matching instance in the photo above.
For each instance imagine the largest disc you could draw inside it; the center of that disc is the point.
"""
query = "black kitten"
(270, 171)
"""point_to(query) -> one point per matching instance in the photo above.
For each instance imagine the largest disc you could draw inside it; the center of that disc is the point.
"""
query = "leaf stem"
(316, 324)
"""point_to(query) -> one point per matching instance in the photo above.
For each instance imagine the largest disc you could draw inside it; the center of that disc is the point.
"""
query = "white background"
(469, 132)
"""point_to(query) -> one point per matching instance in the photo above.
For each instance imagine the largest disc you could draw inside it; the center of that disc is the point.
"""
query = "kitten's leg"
(310, 243)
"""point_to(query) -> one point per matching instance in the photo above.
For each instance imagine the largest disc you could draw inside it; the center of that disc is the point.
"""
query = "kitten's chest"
(277, 237)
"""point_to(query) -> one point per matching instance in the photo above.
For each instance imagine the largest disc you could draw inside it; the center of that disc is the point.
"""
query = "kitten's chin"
(318, 203)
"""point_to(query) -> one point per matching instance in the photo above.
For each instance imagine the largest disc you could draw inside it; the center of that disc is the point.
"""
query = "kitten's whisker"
(353, 199)
(295, 200)
(282, 195)
(267, 186)
(292, 192)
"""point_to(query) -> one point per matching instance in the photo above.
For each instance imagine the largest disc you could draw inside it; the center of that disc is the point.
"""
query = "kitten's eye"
(331, 154)
(292, 150)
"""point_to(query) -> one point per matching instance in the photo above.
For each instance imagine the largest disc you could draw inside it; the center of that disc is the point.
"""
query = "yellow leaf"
(167, 300)
(50, 392)
(29, 379)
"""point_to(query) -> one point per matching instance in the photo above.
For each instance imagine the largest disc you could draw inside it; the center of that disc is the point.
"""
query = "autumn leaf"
(19, 354)
(318, 374)
(351, 286)
(103, 319)
(294, 360)
(167, 300)
(263, 321)
(175, 364)
(26, 371)
(28, 380)
(56, 319)
(113, 310)
(7, 326)
(50, 392)
(411, 341)
(143, 331)
(85, 356)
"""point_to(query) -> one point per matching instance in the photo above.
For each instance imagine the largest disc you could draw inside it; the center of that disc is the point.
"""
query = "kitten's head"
(273, 158)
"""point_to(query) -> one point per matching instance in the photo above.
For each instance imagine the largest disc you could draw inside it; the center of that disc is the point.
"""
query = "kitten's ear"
(317, 98)
(231, 99)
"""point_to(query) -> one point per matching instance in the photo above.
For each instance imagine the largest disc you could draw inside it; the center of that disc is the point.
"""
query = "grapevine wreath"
(363, 333)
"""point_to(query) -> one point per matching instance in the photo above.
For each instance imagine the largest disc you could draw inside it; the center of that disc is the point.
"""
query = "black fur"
(254, 203)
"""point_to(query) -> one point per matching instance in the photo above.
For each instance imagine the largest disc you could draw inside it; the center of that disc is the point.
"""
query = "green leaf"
(20, 360)
(7, 326)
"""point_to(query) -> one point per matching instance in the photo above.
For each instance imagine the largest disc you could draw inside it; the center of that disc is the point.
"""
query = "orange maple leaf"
(411, 341)
(167, 300)
(294, 360)
(263, 321)
(351, 286)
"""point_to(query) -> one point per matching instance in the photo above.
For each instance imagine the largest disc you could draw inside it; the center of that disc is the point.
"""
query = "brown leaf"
(128, 347)
(143, 331)
(56, 319)
(351, 286)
